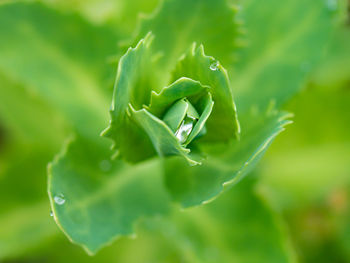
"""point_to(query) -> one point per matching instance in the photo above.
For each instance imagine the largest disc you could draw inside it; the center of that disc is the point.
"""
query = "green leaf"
(134, 83)
(211, 234)
(306, 166)
(95, 200)
(174, 116)
(334, 69)
(162, 137)
(120, 14)
(132, 127)
(25, 227)
(206, 107)
(53, 68)
(199, 100)
(25, 209)
(53, 60)
(27, 119)
(200, 235)
(285, 40)
(225, 164)
(180, 88)
(223, 122)
(179, 23)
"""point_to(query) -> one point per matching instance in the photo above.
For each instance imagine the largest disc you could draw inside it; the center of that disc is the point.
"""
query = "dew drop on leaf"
(214, 66)
(183, 131)
(51, 213)
(59, 199)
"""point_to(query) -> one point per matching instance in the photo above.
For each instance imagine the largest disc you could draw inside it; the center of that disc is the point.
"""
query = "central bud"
(181, 118)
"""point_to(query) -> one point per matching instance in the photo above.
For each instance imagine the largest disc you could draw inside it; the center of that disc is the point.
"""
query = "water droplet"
(51, 213)
(105, 165)
(214, 66)
(184, 130)
(332, 5)
(59, 199)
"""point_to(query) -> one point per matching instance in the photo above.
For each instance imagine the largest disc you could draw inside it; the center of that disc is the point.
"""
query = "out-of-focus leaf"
(211, 234)
(119, 13)
(24, 211)
(305, 165)
(25, 227)
(335, 65)
(28, 119)
(179, 23)
(226, 164)
(53, 60)
(285, 39)
(33, 133)
(46, 67)
(94, 200)
(306, 173)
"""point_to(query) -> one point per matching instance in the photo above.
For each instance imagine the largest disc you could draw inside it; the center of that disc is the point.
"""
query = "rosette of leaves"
(170, 100)
(196, 108)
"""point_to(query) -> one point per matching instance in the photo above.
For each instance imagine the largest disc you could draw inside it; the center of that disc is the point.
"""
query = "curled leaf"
(167, 121)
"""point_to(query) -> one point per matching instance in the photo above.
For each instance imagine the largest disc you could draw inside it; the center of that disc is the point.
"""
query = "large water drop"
(183, 131)
(59, 199)
(214, 66)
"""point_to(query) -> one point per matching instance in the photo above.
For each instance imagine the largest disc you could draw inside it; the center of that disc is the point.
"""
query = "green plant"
(197, 101)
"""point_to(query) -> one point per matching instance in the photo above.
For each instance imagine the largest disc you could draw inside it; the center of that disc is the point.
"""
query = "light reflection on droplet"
(59, 199)
(214, 66)
(183, 132)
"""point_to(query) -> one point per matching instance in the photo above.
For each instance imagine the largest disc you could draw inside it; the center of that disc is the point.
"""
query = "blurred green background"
(295, 207)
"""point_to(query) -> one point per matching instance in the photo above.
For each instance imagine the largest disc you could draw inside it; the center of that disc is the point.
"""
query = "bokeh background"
(295, 207)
